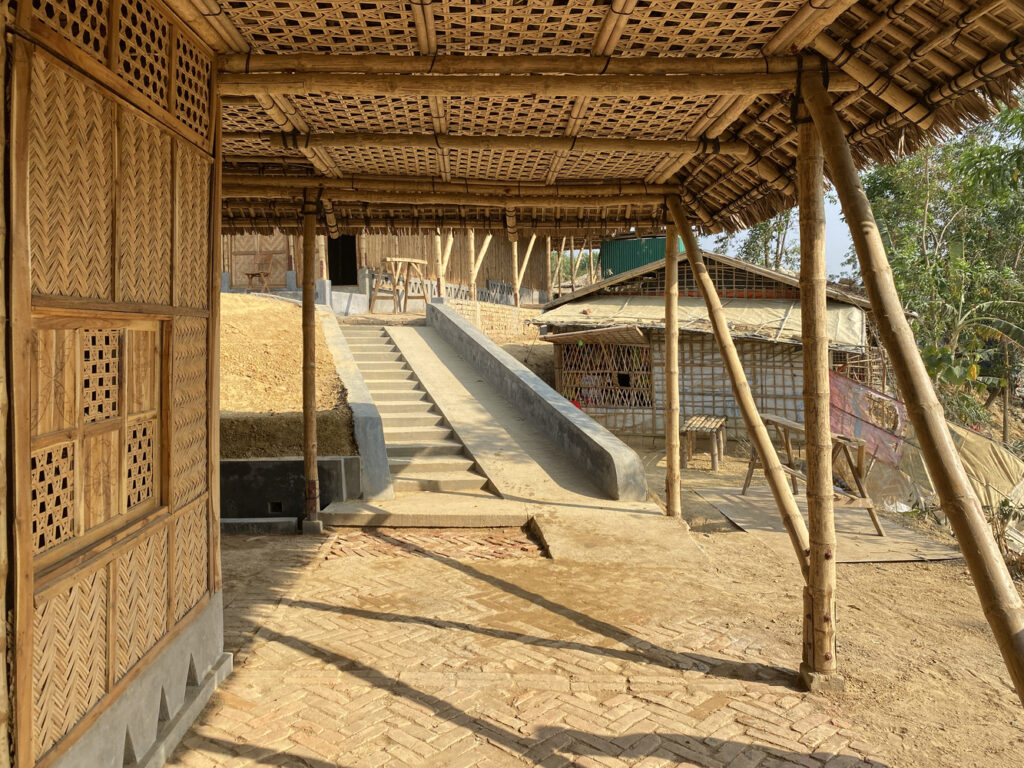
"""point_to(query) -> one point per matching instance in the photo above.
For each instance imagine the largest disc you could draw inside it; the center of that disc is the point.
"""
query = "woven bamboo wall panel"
(193, 210)
(191, 542)
(188, 395)
(142, 370)
(143, 49)
(287, 26)
(83, 22)
(101, 369)
(101, 476)
(141, 605)
(484, 27)
(144, 213)
(70, 153)
(192, 85)
(140, 461)
(53, 496)
(69, 658)
(337, 112)
(486, 116)
(54, 382)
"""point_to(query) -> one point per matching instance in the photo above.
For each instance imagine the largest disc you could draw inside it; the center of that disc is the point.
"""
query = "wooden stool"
(713, 427)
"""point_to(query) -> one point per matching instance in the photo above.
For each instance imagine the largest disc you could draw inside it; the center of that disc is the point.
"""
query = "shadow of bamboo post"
(311, 523)
(999, 598)
(781, 491)
(672, 494)
(819, 669)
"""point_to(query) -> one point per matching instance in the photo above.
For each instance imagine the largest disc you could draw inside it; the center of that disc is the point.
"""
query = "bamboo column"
(448, 245)
(558, 268)
(439, 263)
(515, 271)
(672, 372)
(309, 361)
(759, 437)
(547, 269)
(999, 598)
(471, 241)
(574, 262)
(818, 669)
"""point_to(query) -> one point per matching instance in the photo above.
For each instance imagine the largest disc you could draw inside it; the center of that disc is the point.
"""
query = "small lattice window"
(100, 374)
(143, 49)
(53, 496)
(607, 375)
(139, 458)
(84, 22)
(192, 86)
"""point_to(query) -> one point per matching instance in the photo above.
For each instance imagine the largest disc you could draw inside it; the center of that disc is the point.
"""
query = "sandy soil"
(261, 382)
(924, 676)
(538, 356)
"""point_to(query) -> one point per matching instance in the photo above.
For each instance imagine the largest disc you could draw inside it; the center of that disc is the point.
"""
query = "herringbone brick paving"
(436, 656)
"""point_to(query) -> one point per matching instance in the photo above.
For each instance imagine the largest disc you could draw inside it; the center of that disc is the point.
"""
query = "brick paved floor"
(466, 648)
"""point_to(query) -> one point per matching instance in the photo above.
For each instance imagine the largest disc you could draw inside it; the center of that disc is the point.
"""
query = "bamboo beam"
(514, 86)
(672, 490)
(302, 64)
(330, 219)
(818, 670)
(312, 507)
(999, 598)
(759, 437)
(449, 198)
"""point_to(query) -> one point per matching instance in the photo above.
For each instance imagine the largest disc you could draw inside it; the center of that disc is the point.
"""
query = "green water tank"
(622, 254)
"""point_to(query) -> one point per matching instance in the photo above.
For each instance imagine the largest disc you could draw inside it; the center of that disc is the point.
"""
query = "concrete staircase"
(423, 452)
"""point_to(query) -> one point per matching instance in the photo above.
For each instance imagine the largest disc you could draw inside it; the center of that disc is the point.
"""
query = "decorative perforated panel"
(139, 459)
(143, 49)
(84, 22)
(101, 353)
(192, 86)
(53, 496)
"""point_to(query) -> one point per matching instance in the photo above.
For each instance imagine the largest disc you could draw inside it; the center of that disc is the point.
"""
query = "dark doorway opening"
(342, 267)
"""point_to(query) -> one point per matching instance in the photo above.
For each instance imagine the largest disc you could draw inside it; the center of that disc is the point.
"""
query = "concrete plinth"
(815, 682)
(312, 527)
(290, 281)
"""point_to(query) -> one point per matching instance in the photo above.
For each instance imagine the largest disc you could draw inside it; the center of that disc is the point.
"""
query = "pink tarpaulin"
(865, 413)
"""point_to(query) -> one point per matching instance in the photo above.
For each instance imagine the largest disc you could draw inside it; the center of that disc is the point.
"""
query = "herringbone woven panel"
(189, 413)
(69, 658)
(141, 600)
(71, 130)
(193, 207)
(144, 223)
(190, 557)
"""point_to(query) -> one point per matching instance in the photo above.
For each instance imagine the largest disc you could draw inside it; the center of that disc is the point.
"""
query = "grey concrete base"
(225, 282)
(349, 302)
(433, 510)
(322, 292)
(312, 527)
(610, 463)
(290, 281)
(173, 685)
(259, 525)
(367, 425)
(196, 697)
(276, 487)
(815, 682)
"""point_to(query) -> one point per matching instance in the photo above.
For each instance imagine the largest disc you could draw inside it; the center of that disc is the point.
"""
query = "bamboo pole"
(999, 598)
(818, 670)
(515, 272)
(759, 437)
(520, 273)
(547, 269)
(309, 360)
(672, 498)
(439, 262)
(558, 267)
(507, 86)
(445, 258)
(573, 260)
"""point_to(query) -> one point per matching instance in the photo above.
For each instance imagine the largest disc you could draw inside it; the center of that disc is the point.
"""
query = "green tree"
(772, 243)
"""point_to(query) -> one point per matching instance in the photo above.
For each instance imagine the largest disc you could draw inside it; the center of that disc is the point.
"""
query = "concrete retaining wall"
(375, 475)
(613, 466)
(501, 323)
(274, 488)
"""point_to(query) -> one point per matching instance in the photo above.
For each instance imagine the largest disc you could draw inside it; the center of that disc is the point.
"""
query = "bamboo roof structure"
(459, 113)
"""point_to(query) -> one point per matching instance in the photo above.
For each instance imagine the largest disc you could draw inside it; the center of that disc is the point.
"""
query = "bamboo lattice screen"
(116, 537)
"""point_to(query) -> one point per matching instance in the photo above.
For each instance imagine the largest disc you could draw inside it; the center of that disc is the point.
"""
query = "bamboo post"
(782, 493)
(547, 269)
(818, 670)
(471, 237)
(574, 262)
(520, 271)
(449, 243)
(558, 267)
(515, 271)
(999, 598)
(439, 263)
(672, 372)
(311, 523)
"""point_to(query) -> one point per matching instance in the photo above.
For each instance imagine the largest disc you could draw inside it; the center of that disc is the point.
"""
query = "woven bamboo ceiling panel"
(913, 69)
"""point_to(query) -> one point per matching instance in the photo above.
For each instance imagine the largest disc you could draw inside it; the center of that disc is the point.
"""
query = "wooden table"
(713, 427)
(849, 449)
(399, 270)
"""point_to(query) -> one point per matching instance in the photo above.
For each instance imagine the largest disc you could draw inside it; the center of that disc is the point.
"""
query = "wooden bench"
(843, 447)
(713, 427)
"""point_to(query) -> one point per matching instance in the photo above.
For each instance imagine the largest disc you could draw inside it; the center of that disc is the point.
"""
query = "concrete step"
(447, 482)
(366, 337)
(371, 358)
(397, 377)
(404, 420)
(395, 407)
(383, 365)
(407, 448)
(417, 466)
(416, 434)
(382, 393)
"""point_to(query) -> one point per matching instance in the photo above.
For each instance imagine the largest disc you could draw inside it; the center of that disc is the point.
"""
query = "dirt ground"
(923, 674)
(261, 382)
(538, 356)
